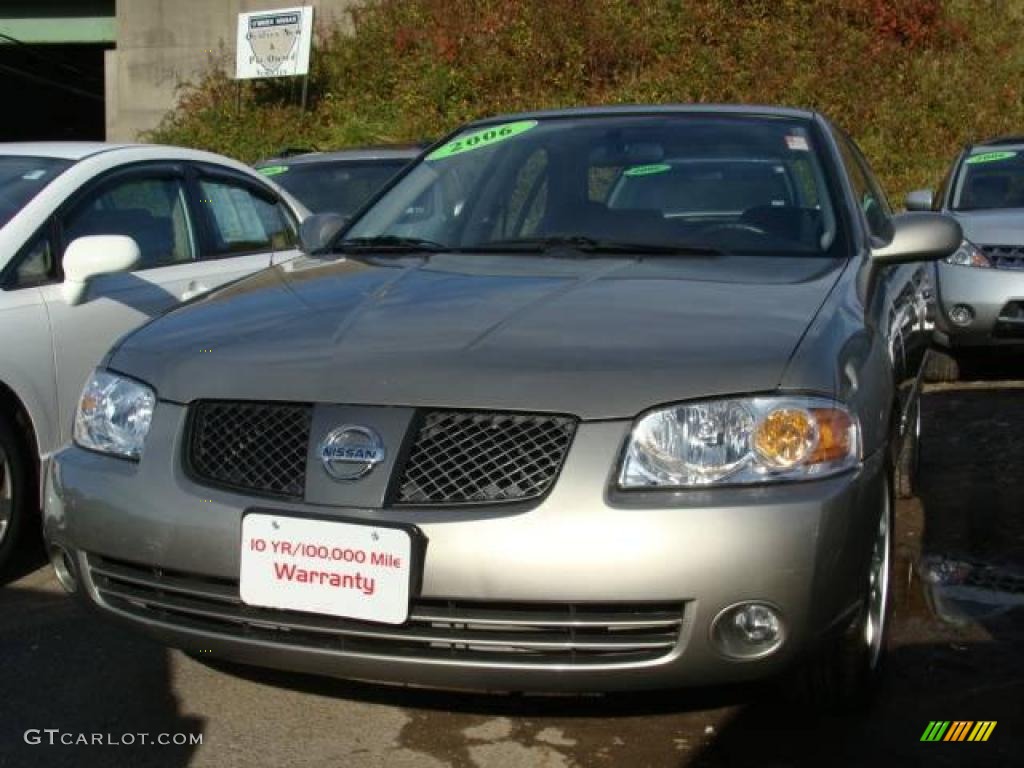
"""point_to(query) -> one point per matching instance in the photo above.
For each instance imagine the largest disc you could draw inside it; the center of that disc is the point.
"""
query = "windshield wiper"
(591, 245)
(389, 243)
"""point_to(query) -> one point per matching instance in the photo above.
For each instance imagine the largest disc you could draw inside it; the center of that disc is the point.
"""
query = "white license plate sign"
(352, 570)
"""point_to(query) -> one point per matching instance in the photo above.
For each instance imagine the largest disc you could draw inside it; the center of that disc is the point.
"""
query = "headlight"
(740, 441)
(114, 414)
(969, 255)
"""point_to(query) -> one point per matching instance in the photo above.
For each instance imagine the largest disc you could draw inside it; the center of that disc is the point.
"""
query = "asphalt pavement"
(66, 674)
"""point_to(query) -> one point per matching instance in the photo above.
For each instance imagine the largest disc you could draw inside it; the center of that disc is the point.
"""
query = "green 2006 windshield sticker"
(990, 157)
(647, 170)
(273, 170)
(482, 138)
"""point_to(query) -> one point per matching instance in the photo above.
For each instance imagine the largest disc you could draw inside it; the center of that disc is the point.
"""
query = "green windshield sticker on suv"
(647, 170)
(990, 157)
(481, 139)
(272, 170)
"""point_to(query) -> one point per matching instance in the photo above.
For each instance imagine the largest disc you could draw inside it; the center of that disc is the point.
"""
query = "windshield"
(22, 178)
(712, 183)
(991, 179)
(336, 187)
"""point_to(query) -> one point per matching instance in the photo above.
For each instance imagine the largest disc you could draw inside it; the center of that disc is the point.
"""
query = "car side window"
(152, 211)
(243, 222)
(869, 194)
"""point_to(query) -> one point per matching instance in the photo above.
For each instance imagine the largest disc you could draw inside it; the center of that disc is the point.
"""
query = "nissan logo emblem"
(351, 452)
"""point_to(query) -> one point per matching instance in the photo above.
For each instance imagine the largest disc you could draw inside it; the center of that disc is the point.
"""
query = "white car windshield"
(22, 178)
(715, 182)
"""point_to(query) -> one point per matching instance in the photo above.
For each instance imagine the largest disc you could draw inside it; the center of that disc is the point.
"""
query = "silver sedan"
(585, 400)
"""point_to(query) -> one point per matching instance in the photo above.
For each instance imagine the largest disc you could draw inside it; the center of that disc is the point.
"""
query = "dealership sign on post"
(274, 43)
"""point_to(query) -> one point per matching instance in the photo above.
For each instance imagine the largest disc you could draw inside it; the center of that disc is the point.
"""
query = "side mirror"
(920, 200)
(88, 257)
(317, 231)
(919, 237)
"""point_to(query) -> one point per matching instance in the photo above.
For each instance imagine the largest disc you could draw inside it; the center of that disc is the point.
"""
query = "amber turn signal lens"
(835, 435)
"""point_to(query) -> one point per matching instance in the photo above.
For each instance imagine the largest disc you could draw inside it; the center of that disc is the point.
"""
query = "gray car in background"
(587, 400)
(341, 181)
(981, 286)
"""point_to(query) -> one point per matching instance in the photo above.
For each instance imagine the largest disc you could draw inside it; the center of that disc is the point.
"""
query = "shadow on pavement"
(980, 681)
(62, 668)
(28, 557)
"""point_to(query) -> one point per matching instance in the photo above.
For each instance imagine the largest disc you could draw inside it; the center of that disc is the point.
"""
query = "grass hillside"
(911, 80)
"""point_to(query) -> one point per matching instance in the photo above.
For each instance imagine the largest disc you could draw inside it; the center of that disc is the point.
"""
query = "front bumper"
(162, 553)
(993, 296)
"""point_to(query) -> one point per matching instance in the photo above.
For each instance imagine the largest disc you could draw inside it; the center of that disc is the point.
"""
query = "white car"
(95, 239)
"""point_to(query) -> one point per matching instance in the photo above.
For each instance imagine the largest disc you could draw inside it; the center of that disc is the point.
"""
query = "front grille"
(1005, 256)
(529, 634)
(258, 447)
(456, 457)
(469, 457)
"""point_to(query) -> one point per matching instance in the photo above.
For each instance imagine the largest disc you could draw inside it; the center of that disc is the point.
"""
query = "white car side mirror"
(88, 257)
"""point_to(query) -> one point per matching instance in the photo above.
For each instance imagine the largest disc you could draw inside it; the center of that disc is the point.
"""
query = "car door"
(148, 202)
(915, 297)
(244, 226)
(905, 289)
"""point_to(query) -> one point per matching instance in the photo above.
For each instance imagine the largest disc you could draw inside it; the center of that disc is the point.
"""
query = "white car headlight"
(740, 441)
(114, 415)
(969, 255)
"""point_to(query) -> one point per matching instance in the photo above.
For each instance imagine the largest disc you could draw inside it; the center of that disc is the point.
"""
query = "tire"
(842, 675)
(909, 459)
(15, 489)
(941, 367)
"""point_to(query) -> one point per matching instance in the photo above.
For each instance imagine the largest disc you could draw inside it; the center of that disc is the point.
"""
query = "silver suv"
(981, 286)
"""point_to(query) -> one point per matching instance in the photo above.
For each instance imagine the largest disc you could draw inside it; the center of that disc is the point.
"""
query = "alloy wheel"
(878, 587)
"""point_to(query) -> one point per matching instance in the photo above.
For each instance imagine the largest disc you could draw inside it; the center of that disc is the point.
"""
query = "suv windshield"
(22, 178)
(991, 178)
(339, 186)
(708, 183)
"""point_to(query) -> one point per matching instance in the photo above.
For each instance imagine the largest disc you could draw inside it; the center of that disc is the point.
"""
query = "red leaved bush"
(912, 24)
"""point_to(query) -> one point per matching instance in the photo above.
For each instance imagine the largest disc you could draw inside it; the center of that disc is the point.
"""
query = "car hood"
(1001, 227)
(594, 337)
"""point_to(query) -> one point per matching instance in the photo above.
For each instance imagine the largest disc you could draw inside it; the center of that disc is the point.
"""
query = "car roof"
(986, 146)
(66, 150)
(355, 154)
(656, 109)
(999, 141)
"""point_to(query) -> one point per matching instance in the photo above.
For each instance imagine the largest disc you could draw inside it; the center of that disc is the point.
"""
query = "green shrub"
(910, 80)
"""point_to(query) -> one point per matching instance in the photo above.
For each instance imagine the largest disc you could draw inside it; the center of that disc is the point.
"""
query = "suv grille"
(530, 634)
(257, 447)
(467, 457)
(1005, 256)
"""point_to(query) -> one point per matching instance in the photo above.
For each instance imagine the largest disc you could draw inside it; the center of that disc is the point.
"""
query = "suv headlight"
(740, 441)
(969, 255)
(114, 415)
